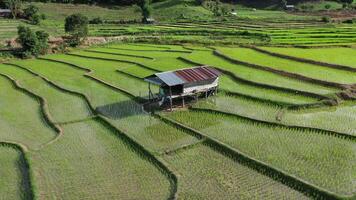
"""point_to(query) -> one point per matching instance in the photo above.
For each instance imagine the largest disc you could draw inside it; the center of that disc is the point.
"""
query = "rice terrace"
(178, 99)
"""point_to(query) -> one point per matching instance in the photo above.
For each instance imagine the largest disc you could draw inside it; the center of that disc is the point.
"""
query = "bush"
(33, 43)
(30, 11)
(35, 19)
(326, 19)
(327, 6)
(350, 21)
(43, 16)
(77, 26)
(146, 9)
(199, 2)
(96, 20)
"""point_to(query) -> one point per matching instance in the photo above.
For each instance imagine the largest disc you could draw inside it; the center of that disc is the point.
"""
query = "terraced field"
(279, 128)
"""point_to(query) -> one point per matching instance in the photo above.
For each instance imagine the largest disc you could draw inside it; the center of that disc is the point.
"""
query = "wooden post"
(183, 101)
(170, 94)
(149, 91)
(206, 94)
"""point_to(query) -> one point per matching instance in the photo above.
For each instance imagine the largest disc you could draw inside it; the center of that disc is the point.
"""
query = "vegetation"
(33, 43)
(281, 125)
(15, 7)
(77, 26)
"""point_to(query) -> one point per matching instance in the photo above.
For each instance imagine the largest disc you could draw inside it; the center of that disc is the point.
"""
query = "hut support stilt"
(170, 99)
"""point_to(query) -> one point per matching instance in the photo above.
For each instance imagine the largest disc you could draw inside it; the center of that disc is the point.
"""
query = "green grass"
(90, 161)
(223, 178)
(31, 130)
(308, 70)
(320, 5)
(317, 158)
(14, 183)
(58, 12)
(341, 56)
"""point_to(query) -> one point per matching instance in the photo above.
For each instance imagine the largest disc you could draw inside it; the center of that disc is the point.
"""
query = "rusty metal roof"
(184, 76)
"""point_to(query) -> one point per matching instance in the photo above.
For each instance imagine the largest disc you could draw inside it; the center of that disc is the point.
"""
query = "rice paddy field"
(282, 126)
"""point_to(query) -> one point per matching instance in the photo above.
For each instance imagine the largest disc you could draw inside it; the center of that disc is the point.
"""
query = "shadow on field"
(120, 109)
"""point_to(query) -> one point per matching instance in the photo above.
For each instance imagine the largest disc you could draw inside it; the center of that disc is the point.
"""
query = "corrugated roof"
(189, 75)
(170, 78)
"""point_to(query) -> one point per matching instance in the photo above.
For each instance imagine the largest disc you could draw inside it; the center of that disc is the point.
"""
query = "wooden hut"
(184, 82)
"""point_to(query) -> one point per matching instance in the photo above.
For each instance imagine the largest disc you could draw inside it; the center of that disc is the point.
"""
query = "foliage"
(31, 13)
(96, 20)
(326, 19)
(146, 9)
(33, 43)
(15, 7)
(77, 26)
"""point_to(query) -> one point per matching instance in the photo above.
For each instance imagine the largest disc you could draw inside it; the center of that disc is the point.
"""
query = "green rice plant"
(308, 70)
(163, 61)
(337, 118)
(208, 174)
(31, 130)
(14, 182)
(75, 107)
(338, 56)
(247, 73)
(73, 79)
(241, 106)
(120, 109)
(320, 159)
(280, 97)
(150, 132)
(90, 161)
(108, 71)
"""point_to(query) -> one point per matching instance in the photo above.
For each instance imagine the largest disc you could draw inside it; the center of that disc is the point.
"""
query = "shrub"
(14, 6)
(43, 16)
(33, 43)
(35, 19)
(199, 2)
(350, 21)
(77, 26)
(30, 11)
(327, 6)
(96, 20)
(146, 9)
(326, 19)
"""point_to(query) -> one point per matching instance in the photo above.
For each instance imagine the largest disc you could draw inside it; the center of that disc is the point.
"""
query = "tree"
(14, 6)
(33, 43)
(199, 2)
(347, 1)
(31, 13)
(77, 26)
(146, 9)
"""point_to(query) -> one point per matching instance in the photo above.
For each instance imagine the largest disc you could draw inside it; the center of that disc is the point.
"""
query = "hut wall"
(201, 86)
